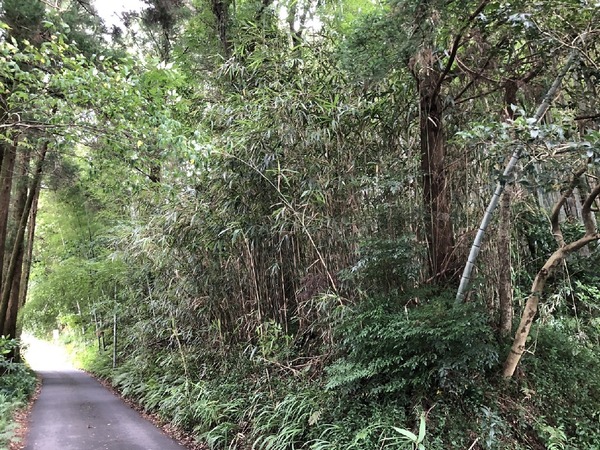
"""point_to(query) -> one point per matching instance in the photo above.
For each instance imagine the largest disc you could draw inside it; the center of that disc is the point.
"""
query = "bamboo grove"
(254, 193)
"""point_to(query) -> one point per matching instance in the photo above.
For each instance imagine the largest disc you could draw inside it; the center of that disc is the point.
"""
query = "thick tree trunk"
(6, 180)
(220, 9)
(20, 198)
(12, 311)
(436, 195)
(504, 276)
(505, 295)
(20, 233)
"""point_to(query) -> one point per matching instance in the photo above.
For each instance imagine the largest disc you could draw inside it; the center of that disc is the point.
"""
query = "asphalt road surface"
(75, 412)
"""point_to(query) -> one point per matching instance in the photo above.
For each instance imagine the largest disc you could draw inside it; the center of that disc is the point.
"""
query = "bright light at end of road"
(45, 356)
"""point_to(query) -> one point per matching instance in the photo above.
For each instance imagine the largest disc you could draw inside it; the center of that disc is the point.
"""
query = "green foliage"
(533, 225)
(412, 438)
(24, 17)
(386, 265)
(563, 378)
(245, 403)
(273, 343)
(73, 280)
(377, 43)
(285, 424)
(7, 426)
(391, 346)
(253, 215)
(554, 438)
(17, 384)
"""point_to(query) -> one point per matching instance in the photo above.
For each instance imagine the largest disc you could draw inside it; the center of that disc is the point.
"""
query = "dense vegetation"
(17, 384)
(252, 217)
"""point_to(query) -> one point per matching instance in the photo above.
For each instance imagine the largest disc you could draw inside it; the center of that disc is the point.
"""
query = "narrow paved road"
(75, 412)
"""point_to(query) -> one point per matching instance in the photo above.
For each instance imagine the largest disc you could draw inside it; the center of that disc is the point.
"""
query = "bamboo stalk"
(487, 217)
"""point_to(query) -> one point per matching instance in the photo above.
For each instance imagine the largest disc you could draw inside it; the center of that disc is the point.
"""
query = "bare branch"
(483, 94)
(456, 46)
(590, 227)
(588, 117)
(475, 76)
(580, 243)
(554, 216)
(47, 3)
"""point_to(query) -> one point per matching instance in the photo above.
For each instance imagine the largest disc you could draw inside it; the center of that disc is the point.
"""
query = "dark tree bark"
(18, 208)
(12, 310)
(436, 195)
(504, 264)
(431, 75)
(220, 9)
(6, 181)
(20, 234)
(28, 256)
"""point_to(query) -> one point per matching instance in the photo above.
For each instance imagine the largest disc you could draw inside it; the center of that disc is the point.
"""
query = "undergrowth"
(408, 371)
(17, 384)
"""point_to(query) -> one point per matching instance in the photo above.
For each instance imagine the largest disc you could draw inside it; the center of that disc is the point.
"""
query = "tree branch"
(586, 215)
(588, 117)
(554, 216)
(475, 76)
(456, 46)
(580, 243)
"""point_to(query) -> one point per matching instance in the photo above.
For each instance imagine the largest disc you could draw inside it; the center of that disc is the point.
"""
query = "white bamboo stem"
(487, 217)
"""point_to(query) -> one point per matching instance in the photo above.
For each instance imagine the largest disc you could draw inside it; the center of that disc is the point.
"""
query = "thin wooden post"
(114, 341)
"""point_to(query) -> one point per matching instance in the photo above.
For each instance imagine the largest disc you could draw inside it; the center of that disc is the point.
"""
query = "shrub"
(389, 345)
(563, 380)
(17, 383)
(386, 265)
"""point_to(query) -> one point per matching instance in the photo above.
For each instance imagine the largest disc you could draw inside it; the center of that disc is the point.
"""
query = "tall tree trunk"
(436, 195)
(28, 257)
(504, 276)
(12, 310)
(20, 233)
(505, 294)
(20, 197)
(6, 179)
(220, 9)
(430, 77)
